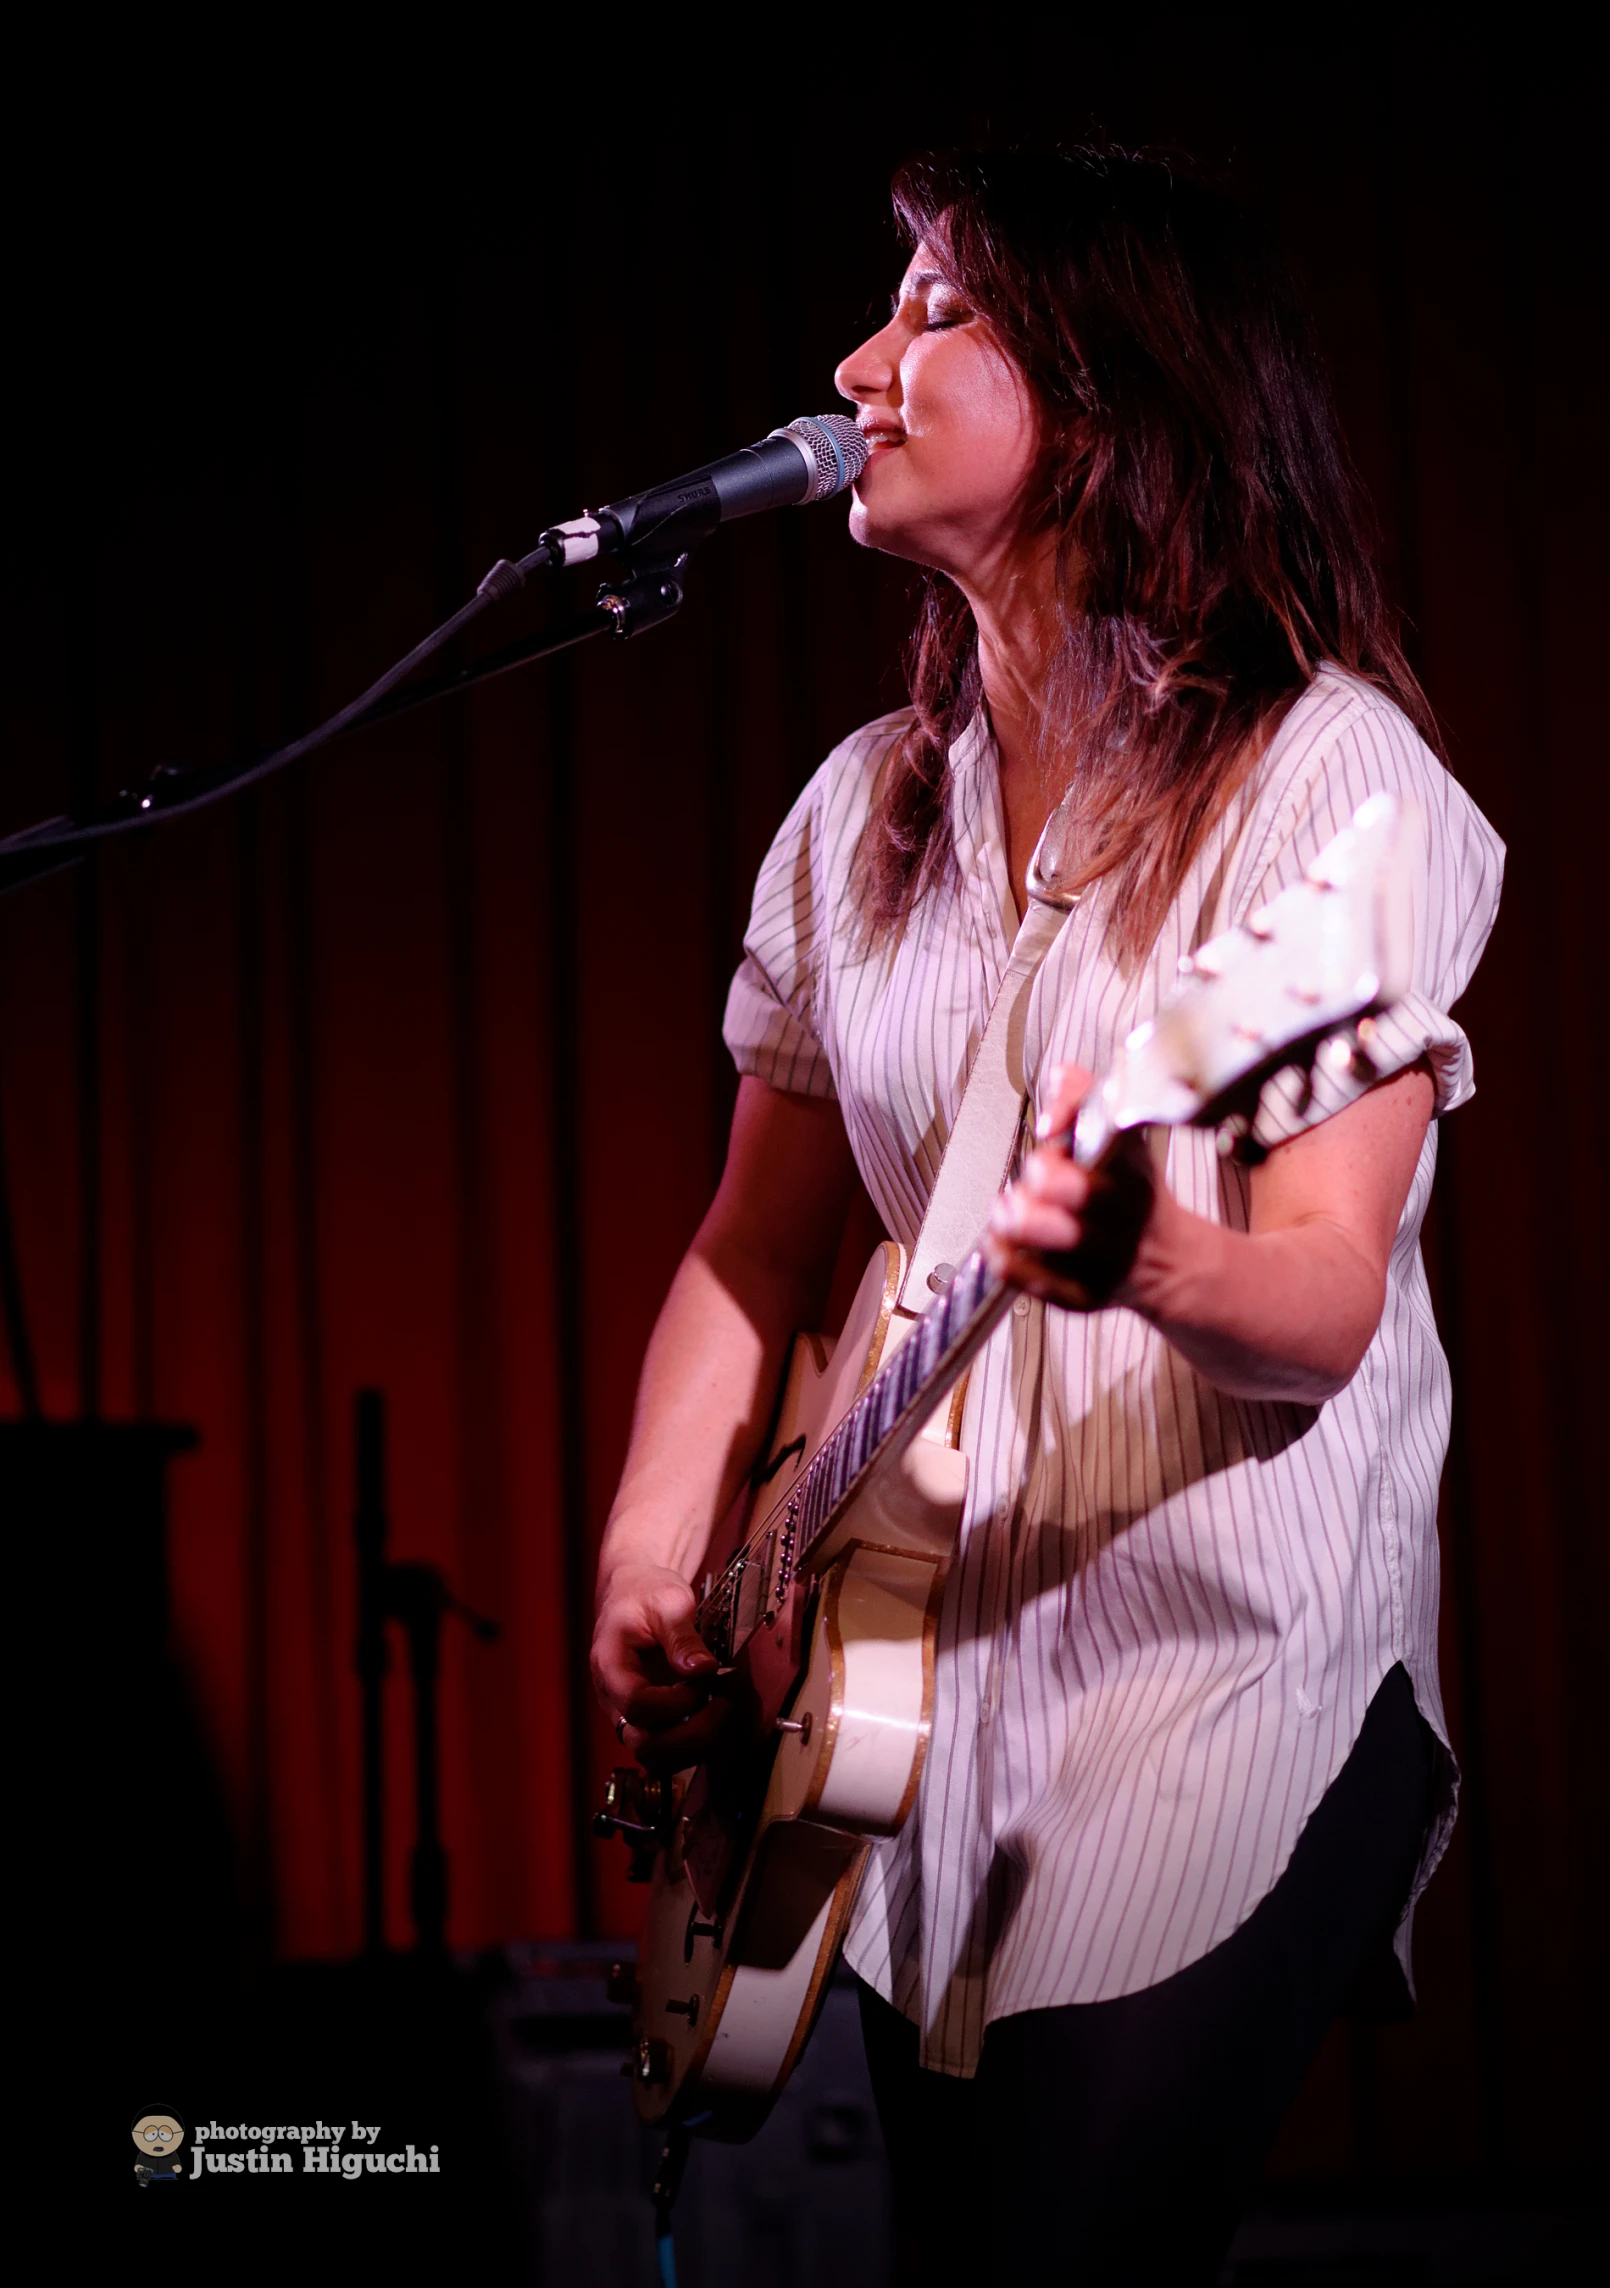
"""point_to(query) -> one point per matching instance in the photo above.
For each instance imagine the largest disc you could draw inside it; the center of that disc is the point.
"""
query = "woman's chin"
(890, 535)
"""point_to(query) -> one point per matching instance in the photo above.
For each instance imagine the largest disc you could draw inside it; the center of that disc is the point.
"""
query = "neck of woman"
(1015, 608)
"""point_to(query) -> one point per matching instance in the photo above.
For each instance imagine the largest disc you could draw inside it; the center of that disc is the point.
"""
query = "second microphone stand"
(418, 1597)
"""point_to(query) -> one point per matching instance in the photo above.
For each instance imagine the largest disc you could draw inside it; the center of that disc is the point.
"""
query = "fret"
(890, 1403)
(815, 1479)
(824, 1497)
(929, 1342)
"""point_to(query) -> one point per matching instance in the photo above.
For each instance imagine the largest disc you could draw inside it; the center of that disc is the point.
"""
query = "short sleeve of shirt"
(1313, 783)
(772, 1025)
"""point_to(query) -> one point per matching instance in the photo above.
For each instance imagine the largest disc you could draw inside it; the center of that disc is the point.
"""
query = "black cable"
(56, 842)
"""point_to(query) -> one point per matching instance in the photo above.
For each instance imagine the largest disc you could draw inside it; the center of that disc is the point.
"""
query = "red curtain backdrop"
(405, 1069)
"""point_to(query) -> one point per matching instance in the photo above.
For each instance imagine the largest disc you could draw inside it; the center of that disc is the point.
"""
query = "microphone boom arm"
(654, 546)
(53, 843)
(651, 532)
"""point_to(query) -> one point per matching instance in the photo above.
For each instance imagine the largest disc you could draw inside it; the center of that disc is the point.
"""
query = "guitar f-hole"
(785, 1454)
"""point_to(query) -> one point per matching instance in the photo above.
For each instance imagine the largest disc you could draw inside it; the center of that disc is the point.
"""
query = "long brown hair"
(1214, 544)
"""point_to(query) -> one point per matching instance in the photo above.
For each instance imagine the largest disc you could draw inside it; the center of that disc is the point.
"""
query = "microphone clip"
(646, 595)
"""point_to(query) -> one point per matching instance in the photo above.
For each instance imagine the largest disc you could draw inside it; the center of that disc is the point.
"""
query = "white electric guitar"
(823, 1615)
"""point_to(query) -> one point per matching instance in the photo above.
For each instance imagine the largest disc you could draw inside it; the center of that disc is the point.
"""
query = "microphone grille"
(835, 448)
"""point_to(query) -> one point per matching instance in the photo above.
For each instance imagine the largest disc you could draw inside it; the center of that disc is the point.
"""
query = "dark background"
(405, 1069)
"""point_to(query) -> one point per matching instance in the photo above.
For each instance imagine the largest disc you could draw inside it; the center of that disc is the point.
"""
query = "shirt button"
(985, 1712)
(1020, 1309)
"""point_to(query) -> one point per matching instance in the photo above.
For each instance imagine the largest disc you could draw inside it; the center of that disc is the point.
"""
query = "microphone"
(811, 460)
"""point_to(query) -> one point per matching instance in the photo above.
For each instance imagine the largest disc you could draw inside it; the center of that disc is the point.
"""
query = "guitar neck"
(901, 1395)
(882, 1422)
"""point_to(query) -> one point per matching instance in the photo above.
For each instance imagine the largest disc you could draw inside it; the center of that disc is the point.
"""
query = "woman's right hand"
(652, 1670)
(759, 1266)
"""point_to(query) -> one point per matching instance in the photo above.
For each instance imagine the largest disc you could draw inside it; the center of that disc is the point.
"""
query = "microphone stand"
(651, 590)
(418, 1598)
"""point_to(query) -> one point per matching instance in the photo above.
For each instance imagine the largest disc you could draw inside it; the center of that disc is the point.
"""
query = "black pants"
(1120, 2140)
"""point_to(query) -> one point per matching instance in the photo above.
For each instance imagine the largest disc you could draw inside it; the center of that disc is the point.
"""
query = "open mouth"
(883, 440)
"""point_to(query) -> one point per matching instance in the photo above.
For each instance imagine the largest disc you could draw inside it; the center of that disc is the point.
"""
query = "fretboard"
(884, 1419)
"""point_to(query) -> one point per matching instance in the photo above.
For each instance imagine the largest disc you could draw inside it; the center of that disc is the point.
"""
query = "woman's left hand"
(1065, 1233)
(1282, 1311)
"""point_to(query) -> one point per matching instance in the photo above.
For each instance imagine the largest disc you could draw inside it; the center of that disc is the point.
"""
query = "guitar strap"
(988, 1119)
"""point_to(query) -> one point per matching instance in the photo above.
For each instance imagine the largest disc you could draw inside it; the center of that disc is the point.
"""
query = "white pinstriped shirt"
(1169, 1608)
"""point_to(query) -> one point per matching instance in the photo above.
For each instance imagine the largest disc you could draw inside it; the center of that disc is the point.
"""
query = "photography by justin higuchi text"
(248, 2149)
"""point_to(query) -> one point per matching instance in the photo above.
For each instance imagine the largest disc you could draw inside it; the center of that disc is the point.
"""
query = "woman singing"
(1188, 1767)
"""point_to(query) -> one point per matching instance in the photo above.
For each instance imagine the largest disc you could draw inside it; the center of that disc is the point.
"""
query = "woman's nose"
(871, 371)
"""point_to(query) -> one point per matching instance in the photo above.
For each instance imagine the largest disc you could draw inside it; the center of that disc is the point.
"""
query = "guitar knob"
(688, 2009)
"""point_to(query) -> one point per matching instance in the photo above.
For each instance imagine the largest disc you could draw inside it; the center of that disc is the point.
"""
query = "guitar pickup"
(751, 1595)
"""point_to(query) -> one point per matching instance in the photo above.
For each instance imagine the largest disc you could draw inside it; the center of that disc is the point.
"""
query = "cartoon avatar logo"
(157, 2139)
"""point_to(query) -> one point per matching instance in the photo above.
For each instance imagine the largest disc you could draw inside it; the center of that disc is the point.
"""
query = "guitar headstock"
(1289, 987)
